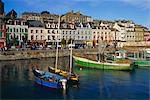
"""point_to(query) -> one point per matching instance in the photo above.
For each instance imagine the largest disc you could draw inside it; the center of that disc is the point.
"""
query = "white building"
(53, 34)
(120, 34)
(81, 33)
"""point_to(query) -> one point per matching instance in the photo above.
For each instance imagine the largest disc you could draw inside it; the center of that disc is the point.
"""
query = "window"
(22, 30)
(10, 30)
(36, 37)
(41, 31)
(36, 31)
(78, 37)
(26, 30)
(53, 37)
(41, 37)
(89, 37)
(17, 30)
(48, 37)
(31, 31)
(85, 32)
(89, 32)
(53, 31)
(11, 37)
(32, 37)
(14, 29)
(94, 37)
(48, 31)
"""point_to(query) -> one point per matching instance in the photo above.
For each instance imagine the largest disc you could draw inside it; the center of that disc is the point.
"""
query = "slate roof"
(34, 23)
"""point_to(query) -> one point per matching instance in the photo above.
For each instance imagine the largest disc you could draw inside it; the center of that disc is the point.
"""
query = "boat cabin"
(120, 54)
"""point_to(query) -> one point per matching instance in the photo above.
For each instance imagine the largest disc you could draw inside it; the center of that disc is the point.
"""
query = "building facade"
(53, 34)
(37, 36)
(39, 17)
(139, 33)
(119, 32)
(146, 35)
(2, 33)
(81, 33)
(75, 17)
(102, 34)
(17, 32)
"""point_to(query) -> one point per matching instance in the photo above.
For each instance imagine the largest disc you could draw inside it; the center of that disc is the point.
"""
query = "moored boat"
(71, 78)
(49, 79)
(83, 62)
(142, 63)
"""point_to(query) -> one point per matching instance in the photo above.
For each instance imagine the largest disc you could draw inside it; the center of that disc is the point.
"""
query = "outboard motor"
(64, 83)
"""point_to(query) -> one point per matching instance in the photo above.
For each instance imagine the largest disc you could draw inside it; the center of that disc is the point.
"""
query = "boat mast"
(70, 58)
(57, 45)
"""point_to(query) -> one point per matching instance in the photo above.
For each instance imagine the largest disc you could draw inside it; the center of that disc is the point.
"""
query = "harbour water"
(17, 82)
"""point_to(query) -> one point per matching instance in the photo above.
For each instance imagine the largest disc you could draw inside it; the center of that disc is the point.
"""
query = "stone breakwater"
(36, 54)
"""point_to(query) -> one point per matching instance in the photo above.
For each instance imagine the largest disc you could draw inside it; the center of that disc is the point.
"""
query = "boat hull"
(142, 63)
(73, 79)
(47, 84)
(47, 79)
(97, 65)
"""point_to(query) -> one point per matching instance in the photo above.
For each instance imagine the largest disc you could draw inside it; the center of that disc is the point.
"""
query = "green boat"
(83, 62)
(142, 63)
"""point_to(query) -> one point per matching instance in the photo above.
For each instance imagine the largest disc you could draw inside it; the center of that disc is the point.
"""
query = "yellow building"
(139, 33)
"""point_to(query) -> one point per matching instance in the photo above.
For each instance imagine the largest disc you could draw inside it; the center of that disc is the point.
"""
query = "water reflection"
(17, 77)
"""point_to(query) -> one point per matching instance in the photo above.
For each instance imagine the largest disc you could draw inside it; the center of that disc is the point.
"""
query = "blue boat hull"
(47, 84)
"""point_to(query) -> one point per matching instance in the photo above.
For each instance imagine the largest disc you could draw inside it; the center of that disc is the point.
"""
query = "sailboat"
(50, 79)
(70, 76)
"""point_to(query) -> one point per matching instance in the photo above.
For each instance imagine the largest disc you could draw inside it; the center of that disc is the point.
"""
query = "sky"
(136, 10)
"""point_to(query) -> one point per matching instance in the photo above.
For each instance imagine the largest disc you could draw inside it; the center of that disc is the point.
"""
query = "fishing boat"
(49, 79)
(83, 62)
(141, 58)
(71, 77)
(144, 63)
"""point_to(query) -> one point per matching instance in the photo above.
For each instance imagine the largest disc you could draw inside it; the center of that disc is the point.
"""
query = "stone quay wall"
(37, 54)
